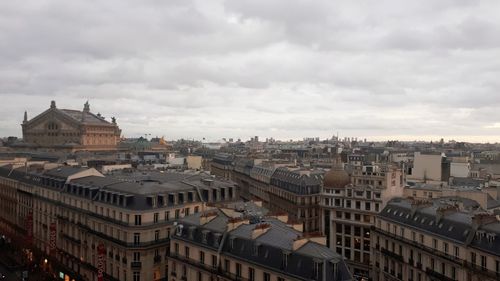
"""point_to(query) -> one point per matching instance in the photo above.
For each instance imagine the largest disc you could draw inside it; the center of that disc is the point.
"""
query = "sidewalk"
(10, 259)
(13, 260)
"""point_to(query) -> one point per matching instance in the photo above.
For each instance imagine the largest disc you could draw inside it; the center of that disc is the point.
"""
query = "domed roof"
(337, 177)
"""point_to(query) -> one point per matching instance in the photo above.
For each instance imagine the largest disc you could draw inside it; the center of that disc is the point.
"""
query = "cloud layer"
(281, 68)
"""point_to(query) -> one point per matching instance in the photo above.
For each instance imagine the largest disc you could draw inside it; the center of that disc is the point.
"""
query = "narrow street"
(9, 276)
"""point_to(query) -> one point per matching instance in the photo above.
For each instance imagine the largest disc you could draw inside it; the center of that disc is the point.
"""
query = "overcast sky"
(285, 68)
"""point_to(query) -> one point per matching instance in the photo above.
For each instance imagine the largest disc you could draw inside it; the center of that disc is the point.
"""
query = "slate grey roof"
(297, 183)
(64, 171)
(314, 249)
(134, 194)
(248, 209)
(262, 172)
(88, 117)
(279, 234)
(218, 224)
(492, 203)
(456, 181)
(455, 225)
(223, 159)
(268, 250)
(154, 182)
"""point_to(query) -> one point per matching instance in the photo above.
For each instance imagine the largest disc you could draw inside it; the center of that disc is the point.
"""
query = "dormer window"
(256, 249)
(204, 234)
(231, 243)
(317, 269)
(284, 262)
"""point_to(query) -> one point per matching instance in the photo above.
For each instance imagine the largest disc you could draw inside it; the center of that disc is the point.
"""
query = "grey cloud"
(240, 68)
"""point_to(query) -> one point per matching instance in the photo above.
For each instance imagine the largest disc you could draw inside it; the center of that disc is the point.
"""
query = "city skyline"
(219, 69)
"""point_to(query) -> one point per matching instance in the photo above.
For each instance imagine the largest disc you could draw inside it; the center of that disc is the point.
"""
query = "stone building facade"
(430, 240)
(85, 223)
(71, 130)
(225, 244)
(290, 190)
(349, 205)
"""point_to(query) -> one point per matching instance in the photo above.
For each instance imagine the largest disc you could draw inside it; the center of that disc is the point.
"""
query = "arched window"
(53, 126)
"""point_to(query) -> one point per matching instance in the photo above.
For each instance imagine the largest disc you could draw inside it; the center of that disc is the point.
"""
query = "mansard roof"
(294, 181)
(132, 192)
(442, 218)
(267, 250)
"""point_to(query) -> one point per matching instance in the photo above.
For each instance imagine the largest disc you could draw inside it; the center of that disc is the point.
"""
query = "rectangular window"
(251, 274)
(202, 257)
(484, 265)
(157, 235)
(285, 260)
(227, 265)
(136, 276)
(167, 215)
(266, 276)
(137, 238)
(214, 261)
(138, 219)
(457, 252)
(186, 251)
(473, 258)
(155, 217)
(238, 269)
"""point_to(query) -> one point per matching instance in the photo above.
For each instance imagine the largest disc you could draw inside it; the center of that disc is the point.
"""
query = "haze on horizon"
(276, 68)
